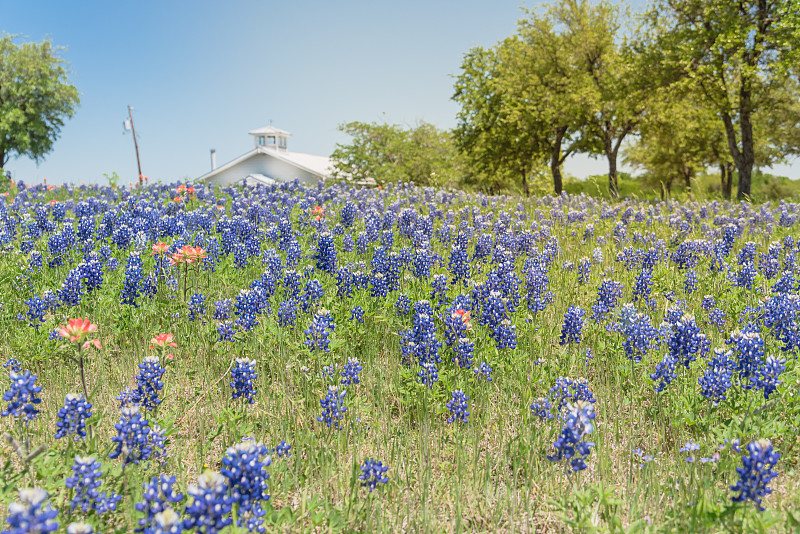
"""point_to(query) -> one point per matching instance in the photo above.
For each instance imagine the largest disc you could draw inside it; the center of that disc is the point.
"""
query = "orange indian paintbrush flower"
(77, 329)
(162, 341)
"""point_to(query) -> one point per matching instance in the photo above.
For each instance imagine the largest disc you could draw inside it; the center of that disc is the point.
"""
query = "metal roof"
(269, 130)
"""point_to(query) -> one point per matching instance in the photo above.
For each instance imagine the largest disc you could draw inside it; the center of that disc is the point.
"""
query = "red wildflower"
(77, 329)
(162, 340)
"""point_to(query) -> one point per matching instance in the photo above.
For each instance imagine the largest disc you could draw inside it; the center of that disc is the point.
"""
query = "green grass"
(489, 475)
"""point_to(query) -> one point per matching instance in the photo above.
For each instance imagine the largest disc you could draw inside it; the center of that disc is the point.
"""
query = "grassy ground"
(488, 475)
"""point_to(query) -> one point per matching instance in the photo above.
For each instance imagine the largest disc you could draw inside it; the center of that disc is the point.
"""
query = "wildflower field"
(332, 359)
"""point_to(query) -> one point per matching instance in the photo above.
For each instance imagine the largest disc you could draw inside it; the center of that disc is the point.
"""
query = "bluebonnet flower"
(664, 373)
(351, 371)
(690, 282)
(22, 397)
(459, 262)
(459, 408)
(13, 364)
(608, 294)
(716, 381)
(148, 382)
(35, 261)
(640, 335)
(643, 285)
(357, 314)
(91, 271)
(222, 309)
(746, 276)
(768, 375)
(317, 334)
(537, 281)
(312, 293)
(378, 285)
(132, 439)
(244, 465)
(247, 307)
(348, 214)
(158, 444)
(686, 341)
(571, 444)
(708, 302)
(402, 304)
(333, 407)
(243, 376)
(71, 419)
(781, 316)
(283, 449)
(717, 318)
(344, 283)
(226, 331)
(32, 514)
(573, 323)
(543, 408)
(158, 496)
(749, 348)
(131, 288)
(36, 310)
(464, 353)
(372, 474)
(287, 313)
(756, 473)
(422, 262)
(71, 290)
(129, 397)
(197, 306)
(209, 511)
(86, 481)
(566, 390)
(484, 370)
(584, 270)
(326, 253)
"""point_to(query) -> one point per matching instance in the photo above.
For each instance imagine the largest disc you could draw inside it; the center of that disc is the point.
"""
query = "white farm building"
(269, 162)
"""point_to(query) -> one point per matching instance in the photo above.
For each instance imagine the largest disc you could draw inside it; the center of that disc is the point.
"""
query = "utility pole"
(135, 144)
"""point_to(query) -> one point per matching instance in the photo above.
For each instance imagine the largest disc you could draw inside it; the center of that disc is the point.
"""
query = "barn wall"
(266, 165)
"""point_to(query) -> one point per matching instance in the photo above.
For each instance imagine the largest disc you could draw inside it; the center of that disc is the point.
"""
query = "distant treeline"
(683, 92)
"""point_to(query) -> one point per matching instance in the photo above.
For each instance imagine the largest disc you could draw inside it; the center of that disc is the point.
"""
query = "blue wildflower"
(459, 408)
(351, 371)
(86, 481)
(573, 323)
(31, 514)
(132, 439)
(22, 397)
(756, 473)
(243, 376)
(372, 474)
(571, 444)
(71, 419)
(209, 511)
(333, 407)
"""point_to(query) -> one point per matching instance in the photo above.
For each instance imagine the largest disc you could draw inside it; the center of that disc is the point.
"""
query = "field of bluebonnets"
(187, 359)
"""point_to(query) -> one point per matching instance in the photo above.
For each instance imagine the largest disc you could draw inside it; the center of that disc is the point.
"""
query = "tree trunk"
(555, 160)
(525, 187)
(744, 159)
(729, 183)
(687, 177)
(612, 175)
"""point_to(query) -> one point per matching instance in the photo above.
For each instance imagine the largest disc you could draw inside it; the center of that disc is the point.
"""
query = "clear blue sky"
(201, 74)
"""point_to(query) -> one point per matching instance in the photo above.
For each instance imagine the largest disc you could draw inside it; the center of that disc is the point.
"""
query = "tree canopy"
(35, 98)
(384, 152)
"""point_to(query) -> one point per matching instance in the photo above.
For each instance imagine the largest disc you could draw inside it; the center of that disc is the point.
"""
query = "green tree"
(494, 138)
(35, 98)
(614, 78)
(741, 56)
(384, 152)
